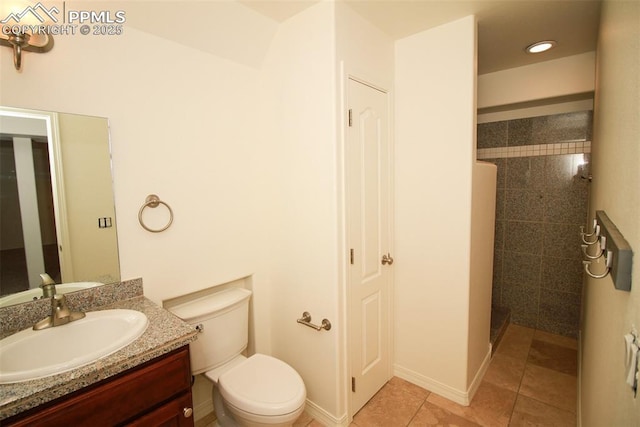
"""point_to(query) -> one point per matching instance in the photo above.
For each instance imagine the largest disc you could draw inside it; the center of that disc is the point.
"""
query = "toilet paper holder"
(306, 321)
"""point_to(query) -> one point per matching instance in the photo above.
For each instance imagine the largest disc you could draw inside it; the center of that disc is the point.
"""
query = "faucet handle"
(59, 307)
(60, 314)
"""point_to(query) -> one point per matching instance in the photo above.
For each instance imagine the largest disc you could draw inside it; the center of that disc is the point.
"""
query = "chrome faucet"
(48, 286)
(60, 314)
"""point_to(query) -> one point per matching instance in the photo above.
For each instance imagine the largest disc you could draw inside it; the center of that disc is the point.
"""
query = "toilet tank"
(223, 321)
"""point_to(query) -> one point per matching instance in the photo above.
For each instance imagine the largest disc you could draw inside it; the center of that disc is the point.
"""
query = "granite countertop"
(164, 334)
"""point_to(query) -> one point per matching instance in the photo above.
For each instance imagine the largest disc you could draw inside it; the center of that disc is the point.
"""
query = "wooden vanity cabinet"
(157, 393)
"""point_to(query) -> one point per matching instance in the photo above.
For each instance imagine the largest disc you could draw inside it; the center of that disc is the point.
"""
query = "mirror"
(57, 214)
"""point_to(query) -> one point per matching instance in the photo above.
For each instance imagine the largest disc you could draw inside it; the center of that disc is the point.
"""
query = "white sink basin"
(29, 354)
(34, 294)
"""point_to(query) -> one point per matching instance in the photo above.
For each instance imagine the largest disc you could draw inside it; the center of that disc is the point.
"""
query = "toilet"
(259, 390)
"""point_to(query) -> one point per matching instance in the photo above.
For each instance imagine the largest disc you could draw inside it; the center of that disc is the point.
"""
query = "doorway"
(542, 200)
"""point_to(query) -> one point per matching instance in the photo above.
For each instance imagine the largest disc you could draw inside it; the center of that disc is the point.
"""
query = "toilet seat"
(264, 386)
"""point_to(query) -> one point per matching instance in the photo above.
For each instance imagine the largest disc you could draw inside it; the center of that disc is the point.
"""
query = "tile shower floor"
(531, 380)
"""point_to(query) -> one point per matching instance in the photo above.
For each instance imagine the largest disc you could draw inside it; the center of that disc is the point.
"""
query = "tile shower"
(542, 200)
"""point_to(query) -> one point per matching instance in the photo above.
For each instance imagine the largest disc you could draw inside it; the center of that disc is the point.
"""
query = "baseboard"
(479, 375)
(448, 392)
(325, 418)
(432, 385)
(202, 409)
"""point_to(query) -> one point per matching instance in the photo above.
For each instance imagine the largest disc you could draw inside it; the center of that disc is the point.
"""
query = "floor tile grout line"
(526, 362)
(548, 404)
(418, 410)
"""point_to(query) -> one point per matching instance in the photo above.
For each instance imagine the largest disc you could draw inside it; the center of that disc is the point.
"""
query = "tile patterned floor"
(531, 381)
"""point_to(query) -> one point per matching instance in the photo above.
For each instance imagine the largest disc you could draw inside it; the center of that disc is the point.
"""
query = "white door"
(368, 212)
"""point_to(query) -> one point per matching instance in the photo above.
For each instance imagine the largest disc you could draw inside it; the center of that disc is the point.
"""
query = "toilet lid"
(263, 385)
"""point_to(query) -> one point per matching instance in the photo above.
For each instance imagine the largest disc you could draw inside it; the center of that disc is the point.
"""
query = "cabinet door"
(177, 413)
(116, 401)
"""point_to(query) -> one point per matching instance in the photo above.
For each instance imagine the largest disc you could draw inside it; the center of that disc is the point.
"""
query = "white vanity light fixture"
(541, 46)
(16, 19)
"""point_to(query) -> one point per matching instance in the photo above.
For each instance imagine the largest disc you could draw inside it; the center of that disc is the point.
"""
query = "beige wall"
(557, 78)
(609, 314)
(179, 129)
(242, 148)
(299, 94)
(363, 50)
(183, 126)
(435, 146)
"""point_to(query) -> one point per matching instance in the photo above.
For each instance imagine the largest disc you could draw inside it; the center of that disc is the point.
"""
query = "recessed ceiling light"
(540, 46)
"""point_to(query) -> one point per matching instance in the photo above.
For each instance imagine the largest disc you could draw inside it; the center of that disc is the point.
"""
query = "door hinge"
(350, 117)
(353, 384)
(351, 256)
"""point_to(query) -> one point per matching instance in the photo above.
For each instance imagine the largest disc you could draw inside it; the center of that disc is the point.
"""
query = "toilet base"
(228, 416)
(223, 419)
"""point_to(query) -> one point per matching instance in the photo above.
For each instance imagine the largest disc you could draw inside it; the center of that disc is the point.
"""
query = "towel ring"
(154, 201)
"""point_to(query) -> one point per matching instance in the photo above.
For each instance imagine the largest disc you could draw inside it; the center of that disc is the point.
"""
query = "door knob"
(387, 259)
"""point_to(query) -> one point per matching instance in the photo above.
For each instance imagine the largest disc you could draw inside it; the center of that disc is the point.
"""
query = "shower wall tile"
(569, 206)
(555, 327)
(541, 202)
(500, 186)
(498, 242)
(525, 172)
(520, 132)
(496, 295)
(560, 170)
(584, 169)
(562, 241)
(497, 269)
(501, 178)
(560, 310)
(523, 237)
(562, 274)
(568, 127)
(523, 301)
(567, 171)
(524, 205)
(521, 269)
(589, 125)
(501, 194)
(565, 127)
(491, 135)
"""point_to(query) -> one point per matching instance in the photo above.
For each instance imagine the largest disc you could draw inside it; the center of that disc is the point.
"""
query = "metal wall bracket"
(622, 259)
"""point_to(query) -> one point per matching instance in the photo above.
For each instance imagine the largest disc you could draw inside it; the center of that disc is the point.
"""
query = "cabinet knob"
(187, 412)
